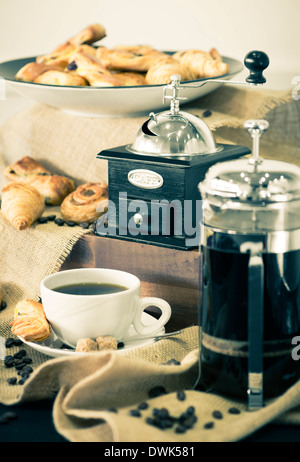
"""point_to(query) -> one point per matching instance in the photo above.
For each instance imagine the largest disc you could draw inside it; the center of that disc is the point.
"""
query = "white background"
(234, 27)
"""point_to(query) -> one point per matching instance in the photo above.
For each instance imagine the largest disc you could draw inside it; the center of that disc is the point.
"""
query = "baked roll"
(92, 70)
(60, 78)
(21, 204)
(30, 321)
(198, 64)
(54, 188)
(86, 203)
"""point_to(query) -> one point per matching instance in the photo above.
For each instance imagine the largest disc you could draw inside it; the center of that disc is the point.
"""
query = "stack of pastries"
(78, 62)
(32, 187)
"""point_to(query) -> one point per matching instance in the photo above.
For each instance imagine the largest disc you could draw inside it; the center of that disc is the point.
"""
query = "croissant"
(21, 204)
(125, 60)
(54, 77)
(161, 72)
(86, 203)
(197, 64)
(62, 53)
(54, 188)
(89, 34)
(130, 78)
(31, 71)
(30, 321)
(92, 70)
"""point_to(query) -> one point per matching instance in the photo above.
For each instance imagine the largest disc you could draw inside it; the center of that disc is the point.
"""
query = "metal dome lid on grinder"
(170, 154)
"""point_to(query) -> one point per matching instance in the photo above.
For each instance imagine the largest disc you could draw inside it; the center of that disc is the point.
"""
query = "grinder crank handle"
(256, 62)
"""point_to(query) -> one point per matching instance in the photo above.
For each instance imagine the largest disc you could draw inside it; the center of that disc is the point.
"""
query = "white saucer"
(53, 346)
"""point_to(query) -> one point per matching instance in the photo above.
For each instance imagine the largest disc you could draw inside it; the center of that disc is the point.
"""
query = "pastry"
(90, 34)
(130, 78)
(30, 321)
(107, 342)
(61, 78)
(86, 204)
(198, 64)
(125, 60)
(21, 204)
(54, 188)
(31, 71)
(161, 72)
(91, 69)
(86, 345)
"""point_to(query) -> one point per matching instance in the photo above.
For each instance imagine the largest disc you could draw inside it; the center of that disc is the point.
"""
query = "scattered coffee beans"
(208, 425)
(156, 391)
(20, 361)
(206, 113)
(217, 415)
(234, 410)
(181, 395)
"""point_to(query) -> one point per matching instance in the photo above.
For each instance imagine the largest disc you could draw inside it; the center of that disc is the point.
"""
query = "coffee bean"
(18, 362)
(180, 429)
(21, 381)
(208, 425)
(10, 415)
(27, 360)
(181, 395)
(173, 362)
(42, 220)
(3, 305)
(135, 413)
(59, 221)
(234, 410)
(51, 217)
(28, 369)
(143, 406)
(156, 391)
(17, 342)
(71, 223)
(217, 415)
(20, 354)
(9, 361)
(120, 345)
(190, 410)
(206, 113)
(9, 342)
(12, 380)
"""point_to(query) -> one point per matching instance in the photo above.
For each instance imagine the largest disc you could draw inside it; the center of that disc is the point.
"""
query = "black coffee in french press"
(250, 300)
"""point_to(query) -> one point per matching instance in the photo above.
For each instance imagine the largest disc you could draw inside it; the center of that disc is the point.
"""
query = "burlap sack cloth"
(86, 388)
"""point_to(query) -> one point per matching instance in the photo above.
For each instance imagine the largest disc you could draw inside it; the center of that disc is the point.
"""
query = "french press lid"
(265, 192)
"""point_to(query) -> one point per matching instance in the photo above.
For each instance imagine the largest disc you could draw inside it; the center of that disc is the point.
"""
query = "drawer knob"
(138, 219)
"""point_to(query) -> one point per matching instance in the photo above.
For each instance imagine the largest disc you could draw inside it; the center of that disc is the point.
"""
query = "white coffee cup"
(89, 316)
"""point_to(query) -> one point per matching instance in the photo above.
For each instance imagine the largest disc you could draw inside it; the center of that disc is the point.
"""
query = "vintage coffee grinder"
(250, 306)
(153, 183)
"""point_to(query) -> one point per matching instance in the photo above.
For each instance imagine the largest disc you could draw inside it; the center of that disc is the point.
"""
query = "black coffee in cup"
(90, 288)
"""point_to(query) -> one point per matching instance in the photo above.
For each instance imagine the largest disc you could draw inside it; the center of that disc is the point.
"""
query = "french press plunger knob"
(256, 128)
(256, 62)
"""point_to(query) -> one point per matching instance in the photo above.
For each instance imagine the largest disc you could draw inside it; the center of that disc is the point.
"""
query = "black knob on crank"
(256, 62)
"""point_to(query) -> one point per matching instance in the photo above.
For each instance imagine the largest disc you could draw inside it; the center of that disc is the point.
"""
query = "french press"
(250, 243)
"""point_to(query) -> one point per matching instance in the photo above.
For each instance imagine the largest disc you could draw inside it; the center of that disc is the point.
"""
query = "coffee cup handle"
(143, 329)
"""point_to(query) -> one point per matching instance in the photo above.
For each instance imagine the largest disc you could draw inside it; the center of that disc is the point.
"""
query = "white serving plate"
(105, 101)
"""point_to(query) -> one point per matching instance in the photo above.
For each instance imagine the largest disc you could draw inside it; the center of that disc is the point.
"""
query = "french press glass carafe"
(250, 301)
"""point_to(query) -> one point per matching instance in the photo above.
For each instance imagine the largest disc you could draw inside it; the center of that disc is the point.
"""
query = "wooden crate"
(167, 273)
